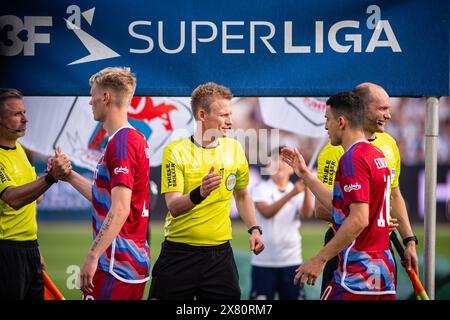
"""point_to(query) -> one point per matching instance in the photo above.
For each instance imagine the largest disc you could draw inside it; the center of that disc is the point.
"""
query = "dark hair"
(350, 106)
(7, 93)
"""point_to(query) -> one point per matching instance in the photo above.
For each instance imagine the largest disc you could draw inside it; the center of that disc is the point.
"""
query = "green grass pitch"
(64, 247)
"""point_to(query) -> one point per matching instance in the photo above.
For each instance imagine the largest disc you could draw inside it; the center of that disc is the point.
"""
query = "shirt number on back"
(381, 222)
(145, 211)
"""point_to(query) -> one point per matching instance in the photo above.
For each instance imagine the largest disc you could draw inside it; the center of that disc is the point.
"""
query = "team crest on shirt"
(352, 186)
(230, 183)
(118, 170)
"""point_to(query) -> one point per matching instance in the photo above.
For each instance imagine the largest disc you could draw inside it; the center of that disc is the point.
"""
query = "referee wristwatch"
(412, 238)
(257, 228)
(50, 179)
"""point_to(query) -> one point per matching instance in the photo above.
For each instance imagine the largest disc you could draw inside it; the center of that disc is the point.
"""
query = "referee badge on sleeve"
(230, 183)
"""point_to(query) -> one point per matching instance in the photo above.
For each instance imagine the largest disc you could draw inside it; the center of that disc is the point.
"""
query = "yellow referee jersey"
(16, 170)
(184, 164)
(328, 159)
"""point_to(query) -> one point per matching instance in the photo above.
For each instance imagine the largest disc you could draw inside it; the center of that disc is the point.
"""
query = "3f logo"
(22, 35)
(17, 35)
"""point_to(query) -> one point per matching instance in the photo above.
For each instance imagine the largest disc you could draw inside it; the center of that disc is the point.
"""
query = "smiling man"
(200, 175)
(358, 208)
(377, 107)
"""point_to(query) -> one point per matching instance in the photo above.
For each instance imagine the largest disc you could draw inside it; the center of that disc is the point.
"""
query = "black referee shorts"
(21, 275)
(330, 266)
(184, 272)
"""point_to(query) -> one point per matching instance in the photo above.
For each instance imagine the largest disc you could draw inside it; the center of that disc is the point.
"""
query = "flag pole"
(431, 141)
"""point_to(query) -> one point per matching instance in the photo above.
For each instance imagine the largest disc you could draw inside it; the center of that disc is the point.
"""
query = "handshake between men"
(59, 166)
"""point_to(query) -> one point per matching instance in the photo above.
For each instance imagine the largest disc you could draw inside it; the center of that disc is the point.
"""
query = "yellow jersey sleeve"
(327, 163)
(242, 174)
(172, 179)
(397, 167)
(5, 178)
(16, 170)
(388, 146)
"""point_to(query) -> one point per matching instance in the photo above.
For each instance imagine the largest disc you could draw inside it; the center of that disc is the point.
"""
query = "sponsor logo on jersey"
(329, 172)
(4, 176)
(171, 175)
(118, 170)
(381, 163)
(351, 187)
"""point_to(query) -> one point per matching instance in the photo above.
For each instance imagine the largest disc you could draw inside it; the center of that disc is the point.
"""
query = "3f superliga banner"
(257, 48)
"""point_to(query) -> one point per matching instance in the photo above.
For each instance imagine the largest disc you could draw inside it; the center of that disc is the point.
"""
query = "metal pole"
(431, 139)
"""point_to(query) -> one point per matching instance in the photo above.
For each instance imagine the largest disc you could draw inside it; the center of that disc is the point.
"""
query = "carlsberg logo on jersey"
(351, 187)
(118, 170)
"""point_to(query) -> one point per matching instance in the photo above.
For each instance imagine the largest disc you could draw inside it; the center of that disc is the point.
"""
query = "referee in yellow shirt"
(20, 261)
(377, 111)
(200, 175)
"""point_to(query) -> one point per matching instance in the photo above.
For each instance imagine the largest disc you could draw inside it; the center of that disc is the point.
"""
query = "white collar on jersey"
(112, 136)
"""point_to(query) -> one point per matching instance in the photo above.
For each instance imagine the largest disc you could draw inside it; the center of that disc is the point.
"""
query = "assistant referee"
(21, 274)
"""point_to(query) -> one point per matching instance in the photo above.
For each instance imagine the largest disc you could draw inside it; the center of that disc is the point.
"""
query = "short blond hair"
(204, 95)
(118, 79)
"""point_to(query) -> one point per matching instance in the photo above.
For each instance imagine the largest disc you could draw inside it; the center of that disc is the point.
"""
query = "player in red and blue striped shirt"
(124, 163)
(118, 262)
(366, 266)
(359, 207)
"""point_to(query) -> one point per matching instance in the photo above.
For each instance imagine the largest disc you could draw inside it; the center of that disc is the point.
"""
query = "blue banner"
(257, 48)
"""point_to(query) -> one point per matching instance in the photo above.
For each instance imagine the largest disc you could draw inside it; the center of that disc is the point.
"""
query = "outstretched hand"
(293, 158)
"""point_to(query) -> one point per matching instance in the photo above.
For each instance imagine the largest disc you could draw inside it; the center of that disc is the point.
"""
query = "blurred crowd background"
(407, 126)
